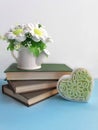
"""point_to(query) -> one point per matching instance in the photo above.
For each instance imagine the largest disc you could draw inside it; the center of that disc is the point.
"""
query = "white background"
(73, 24)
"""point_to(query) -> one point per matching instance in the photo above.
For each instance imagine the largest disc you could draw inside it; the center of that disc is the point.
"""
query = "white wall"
(73, 24)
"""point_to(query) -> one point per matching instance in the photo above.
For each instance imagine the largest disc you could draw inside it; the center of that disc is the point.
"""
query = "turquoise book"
(48, 71)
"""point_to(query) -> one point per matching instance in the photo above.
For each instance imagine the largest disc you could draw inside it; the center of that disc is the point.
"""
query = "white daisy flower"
(20, 38)
(38, 33)
(35, 38)
(10, 35)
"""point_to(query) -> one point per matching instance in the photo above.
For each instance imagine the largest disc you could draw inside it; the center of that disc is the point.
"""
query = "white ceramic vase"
(27, 61)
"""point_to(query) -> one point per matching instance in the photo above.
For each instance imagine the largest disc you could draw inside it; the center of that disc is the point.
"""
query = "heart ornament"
(76, 87)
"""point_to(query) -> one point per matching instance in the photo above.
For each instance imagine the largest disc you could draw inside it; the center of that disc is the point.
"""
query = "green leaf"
(37, 47)
(11, 45)
(35, 51)
(39, 25)
(42, 45)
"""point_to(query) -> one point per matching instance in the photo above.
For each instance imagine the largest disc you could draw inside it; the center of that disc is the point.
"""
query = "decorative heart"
(77, 87)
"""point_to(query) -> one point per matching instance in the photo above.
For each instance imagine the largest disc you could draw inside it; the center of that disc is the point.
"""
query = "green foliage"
(11, 45)
(35, 47)
(39, 25)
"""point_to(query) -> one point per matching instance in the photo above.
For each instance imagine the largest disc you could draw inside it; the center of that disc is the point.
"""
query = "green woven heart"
(77, 87)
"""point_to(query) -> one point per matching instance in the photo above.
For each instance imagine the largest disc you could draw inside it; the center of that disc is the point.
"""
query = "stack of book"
(32, 86)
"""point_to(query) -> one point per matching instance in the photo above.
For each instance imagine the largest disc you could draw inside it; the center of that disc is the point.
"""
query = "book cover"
(21, 86)
(47, 71)
(29, 98)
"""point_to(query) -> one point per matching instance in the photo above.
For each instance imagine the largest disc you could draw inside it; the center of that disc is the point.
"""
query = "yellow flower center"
(38, 32)
(18, 31)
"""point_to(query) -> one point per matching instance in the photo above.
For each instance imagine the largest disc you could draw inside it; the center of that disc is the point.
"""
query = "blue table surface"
(54, 113)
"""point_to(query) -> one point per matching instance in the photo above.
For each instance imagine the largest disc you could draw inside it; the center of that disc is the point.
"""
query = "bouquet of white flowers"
(34, 37)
